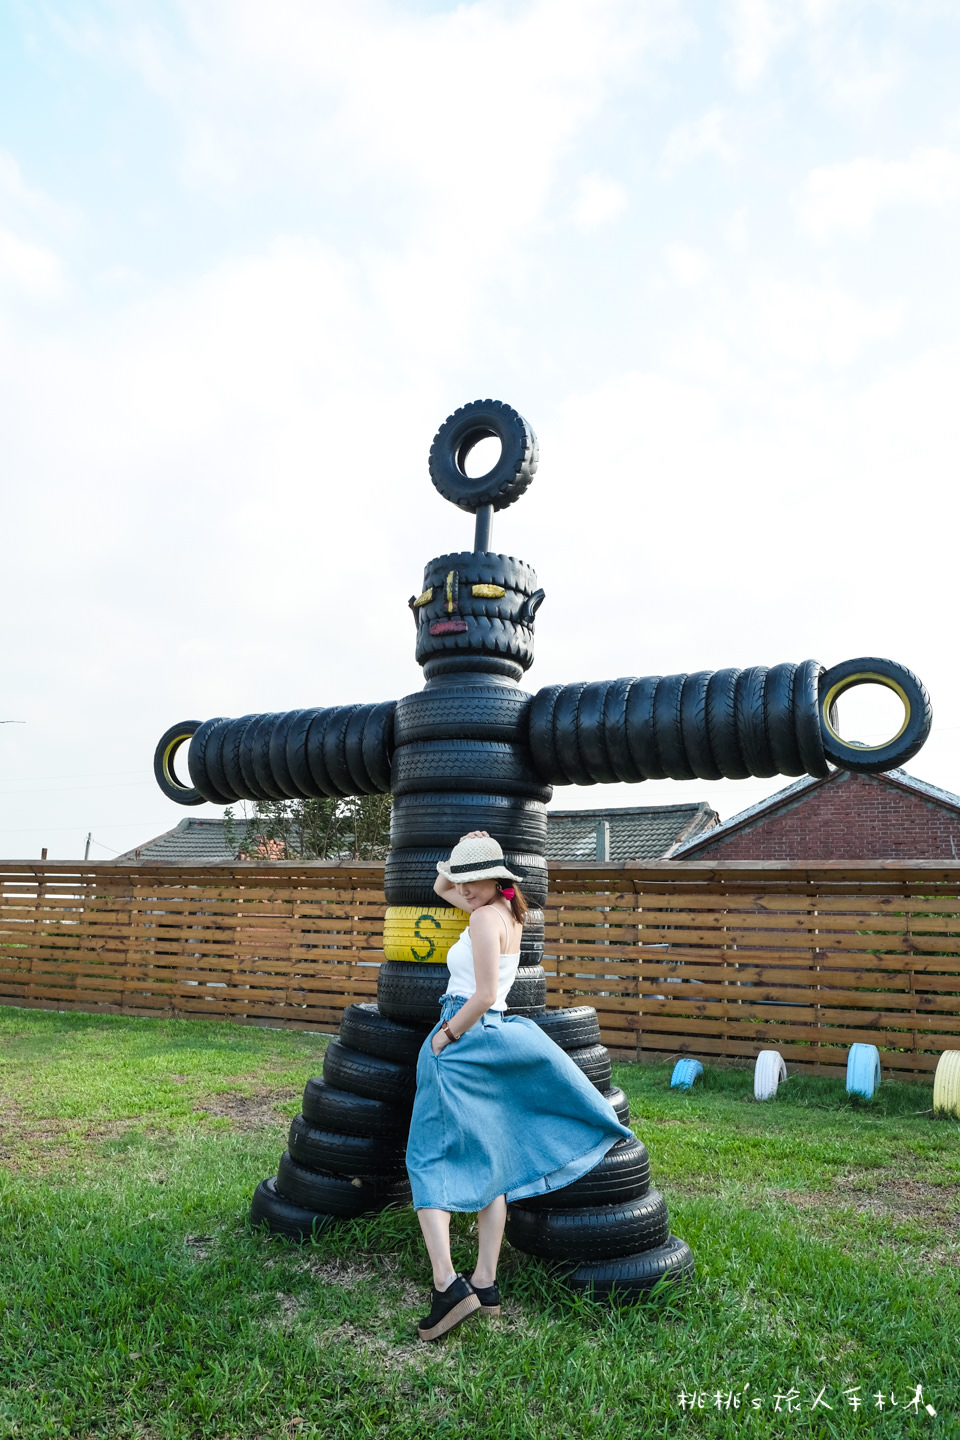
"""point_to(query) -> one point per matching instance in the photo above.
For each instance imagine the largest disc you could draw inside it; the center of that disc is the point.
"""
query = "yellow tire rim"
(864, 677)
(421, 936)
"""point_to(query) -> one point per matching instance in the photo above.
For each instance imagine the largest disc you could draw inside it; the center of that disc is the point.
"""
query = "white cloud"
(697, 138)
(810, 325)
(847, 197)
(687, 265)
(757, 28)
(28, 269)
(600, 201)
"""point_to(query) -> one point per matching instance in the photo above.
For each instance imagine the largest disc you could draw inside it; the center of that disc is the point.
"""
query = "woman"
(501, 1113)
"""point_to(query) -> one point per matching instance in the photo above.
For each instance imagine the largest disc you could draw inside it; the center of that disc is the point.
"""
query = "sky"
(252, 255)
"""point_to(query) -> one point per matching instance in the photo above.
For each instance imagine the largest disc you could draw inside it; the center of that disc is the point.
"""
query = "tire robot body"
(472, 751)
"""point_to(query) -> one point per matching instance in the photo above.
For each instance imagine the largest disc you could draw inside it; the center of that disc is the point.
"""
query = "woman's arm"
(485, 933)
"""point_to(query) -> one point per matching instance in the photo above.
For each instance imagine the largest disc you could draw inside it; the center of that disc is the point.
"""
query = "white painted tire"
(946, 1083)
(769, 1070)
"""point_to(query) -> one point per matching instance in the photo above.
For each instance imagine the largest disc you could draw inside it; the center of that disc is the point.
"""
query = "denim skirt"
(502, 1112)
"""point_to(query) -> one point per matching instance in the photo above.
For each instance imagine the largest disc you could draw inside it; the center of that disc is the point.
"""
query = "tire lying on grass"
(339, 1195)
(594, 1232)
(328, 1108)
(631, 1277)
(283, 1217)
(349, 1155)
(622, 1174)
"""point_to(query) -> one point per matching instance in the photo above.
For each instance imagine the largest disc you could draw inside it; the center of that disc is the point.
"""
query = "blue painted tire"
(684, 1073)
(863, 1070)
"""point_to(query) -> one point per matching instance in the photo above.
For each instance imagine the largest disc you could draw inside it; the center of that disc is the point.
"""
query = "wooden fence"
(713, 960)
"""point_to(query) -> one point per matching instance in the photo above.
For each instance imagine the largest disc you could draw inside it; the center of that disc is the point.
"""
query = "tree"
(355, 828)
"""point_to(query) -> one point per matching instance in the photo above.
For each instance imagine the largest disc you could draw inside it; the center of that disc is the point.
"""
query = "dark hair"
(518, 904)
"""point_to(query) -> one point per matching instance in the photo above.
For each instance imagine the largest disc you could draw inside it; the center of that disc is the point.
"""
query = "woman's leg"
(435, 1225)
(490, 1223)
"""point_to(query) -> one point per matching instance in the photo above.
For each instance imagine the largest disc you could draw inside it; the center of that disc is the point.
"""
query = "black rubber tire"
(328, 1108)
(918, 715)
(782, 732)
(279, 767)
(641, 732)
(543, 750)
(353, 751)
(245, 749)
(369, 1075)
(335, 749)
(529, 1012)
(339, 1194)
(462, 712)
(409, 993)
(622, 1174)
(513, 471)
(295, 753)
(282, 1217)
(631, 1277)
(529, 991)
(722, 725)
(693, 724)
(752, 722)
(595, 1062)
(470, 766)
(591, 732)
(806, 719)
(615, 735)
(230, 757)
(572, 1028)
(668, 728)
(565, 734)
(430, 818)
(363, 1028)
(619, 1102)
(213, 760)
(595, 1232)
(196, 762)
(409, 876)
(378, 744)
(164, 764)
(482, 567)
(257, 740)
(337, 1154)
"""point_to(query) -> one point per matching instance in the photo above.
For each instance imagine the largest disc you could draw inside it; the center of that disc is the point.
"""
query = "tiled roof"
(640, 832)
(637, 832)
(200, 841)
(790, 793)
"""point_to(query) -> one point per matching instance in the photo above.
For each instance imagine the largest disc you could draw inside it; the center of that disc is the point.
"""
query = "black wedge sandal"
(489, 1297)
(458, 1302)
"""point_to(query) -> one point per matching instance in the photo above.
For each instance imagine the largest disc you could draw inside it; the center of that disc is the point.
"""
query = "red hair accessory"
(507, 891)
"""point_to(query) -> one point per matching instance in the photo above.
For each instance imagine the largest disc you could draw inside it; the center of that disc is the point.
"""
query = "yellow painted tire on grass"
(946, 1083)
(421, 935)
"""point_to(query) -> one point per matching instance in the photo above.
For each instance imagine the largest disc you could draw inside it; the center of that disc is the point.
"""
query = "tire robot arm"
(343, 750)
(725, 724)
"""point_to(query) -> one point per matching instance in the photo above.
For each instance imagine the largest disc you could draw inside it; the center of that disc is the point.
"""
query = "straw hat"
(480, 859)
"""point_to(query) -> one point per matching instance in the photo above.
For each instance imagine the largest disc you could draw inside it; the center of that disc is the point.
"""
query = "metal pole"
(86, 852)
(603, 841)
(481, 534)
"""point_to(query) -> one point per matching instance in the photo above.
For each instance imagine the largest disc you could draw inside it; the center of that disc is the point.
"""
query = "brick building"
(844, 817)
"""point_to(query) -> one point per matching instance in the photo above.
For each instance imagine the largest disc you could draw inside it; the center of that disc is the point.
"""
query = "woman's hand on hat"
(476, 835)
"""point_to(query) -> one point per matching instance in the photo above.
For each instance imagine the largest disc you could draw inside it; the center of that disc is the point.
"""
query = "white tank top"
(463, 979)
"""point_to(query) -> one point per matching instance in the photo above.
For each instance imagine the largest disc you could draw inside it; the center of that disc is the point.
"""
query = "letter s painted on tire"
(425, 919)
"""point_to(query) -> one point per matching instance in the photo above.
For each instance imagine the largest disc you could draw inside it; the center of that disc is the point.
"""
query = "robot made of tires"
(473, 751)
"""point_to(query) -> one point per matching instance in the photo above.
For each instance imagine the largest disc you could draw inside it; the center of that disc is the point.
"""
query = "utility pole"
(86, 850)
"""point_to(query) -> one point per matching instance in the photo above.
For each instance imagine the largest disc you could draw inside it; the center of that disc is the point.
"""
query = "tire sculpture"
(469, 751)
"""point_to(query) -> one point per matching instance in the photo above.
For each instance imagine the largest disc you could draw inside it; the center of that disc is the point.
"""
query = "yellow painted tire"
(421, 935)
(946, 1083)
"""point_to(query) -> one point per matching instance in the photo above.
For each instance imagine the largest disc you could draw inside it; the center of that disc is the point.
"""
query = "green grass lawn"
(136, 1301)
